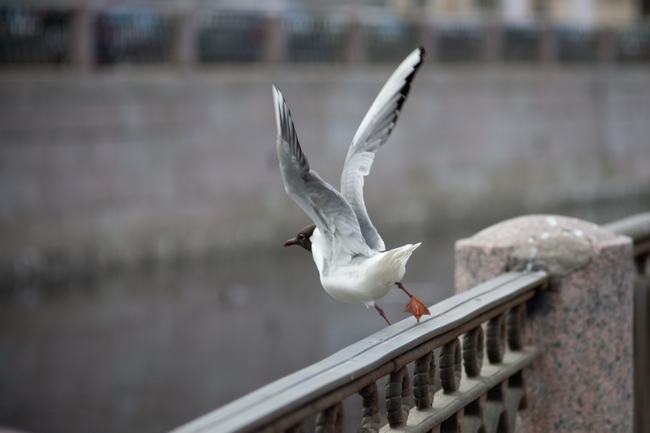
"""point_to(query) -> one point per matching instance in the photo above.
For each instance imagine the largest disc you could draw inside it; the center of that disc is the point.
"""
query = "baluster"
(473, 351)
(496, 339)
(398, 393)
(424, 381)
(330, 420)
(450, 366)
(517, 327)
(370, 414)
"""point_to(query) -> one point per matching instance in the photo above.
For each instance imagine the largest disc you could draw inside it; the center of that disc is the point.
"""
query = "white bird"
(351, 257)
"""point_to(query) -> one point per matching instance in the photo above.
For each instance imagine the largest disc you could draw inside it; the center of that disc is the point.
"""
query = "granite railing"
(585, 379)
(568, 369)
(472, 394)
(637, 227)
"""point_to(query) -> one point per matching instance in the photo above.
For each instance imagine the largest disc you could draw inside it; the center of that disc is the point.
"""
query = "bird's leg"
(414, 305)
(382, 314)
(401, 286)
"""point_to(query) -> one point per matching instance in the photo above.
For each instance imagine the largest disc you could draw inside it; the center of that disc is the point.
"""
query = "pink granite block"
(583, 381)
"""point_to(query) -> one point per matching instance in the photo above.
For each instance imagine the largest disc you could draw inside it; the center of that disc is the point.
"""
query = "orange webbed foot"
(416, 308)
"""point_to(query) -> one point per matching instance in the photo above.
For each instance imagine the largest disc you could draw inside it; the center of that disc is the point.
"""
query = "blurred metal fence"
(389, 39)
(118, 35)
(576, 45)
(521, 44)
(460, 43)
(229, 36)
(133, 36)
(315, 39)
(633, 45)
(33, 36)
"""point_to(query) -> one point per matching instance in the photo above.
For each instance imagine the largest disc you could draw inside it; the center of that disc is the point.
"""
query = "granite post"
(583, 380)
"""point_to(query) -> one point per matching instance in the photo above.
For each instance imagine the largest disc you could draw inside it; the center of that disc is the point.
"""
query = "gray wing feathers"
(373, 132)
(324, 205)
(361, 163)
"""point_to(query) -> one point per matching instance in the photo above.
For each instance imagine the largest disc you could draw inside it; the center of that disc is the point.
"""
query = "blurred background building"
(142, 279)
(579, 13)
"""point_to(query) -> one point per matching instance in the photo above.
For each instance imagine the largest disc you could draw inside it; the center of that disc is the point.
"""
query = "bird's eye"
(301, 236)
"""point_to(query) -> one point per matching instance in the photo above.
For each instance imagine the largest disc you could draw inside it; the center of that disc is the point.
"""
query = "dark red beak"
(290, 242)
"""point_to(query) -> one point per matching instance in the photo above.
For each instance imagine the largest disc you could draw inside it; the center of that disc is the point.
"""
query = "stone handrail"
(636, 227)
(584, 379)
(488, 395)
(486, 321)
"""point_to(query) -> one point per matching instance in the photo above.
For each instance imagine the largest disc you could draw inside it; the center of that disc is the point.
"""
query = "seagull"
(351, 257)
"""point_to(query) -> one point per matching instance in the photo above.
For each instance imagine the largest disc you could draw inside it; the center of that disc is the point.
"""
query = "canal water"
(128, 162)
(147, 351)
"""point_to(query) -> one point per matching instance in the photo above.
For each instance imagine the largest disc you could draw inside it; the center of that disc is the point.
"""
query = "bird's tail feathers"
(399, 256)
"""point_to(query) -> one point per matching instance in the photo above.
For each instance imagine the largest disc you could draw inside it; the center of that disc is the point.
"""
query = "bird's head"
(303, 238)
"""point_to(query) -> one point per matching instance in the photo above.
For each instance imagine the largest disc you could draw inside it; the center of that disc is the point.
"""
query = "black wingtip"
(406, 88)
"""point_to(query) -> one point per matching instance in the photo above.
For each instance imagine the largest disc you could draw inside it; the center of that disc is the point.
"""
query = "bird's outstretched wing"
(371, 135)
(324, 205)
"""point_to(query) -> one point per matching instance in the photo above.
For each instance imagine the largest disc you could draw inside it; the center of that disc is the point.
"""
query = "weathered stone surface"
(583, 324)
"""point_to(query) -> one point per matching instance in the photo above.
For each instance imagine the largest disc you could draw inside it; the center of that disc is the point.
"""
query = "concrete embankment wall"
(119, 167)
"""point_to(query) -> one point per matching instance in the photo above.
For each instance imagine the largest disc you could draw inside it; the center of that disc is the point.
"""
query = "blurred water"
(160, 169)
(148, 351)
